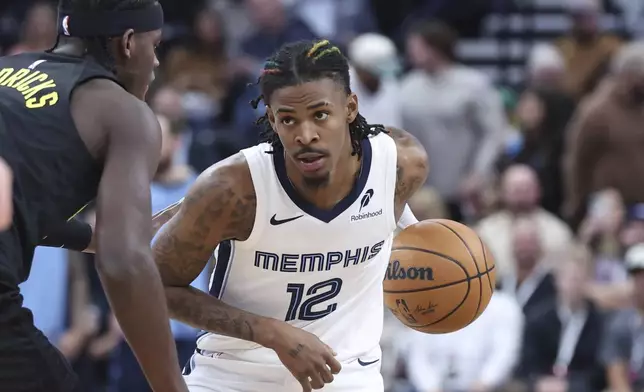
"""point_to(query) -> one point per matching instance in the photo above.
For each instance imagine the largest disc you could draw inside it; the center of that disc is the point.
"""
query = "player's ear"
(271, 117)
(126, 44)
(352, 107)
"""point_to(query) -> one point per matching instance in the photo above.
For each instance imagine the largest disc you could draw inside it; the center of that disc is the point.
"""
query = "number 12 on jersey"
(315, 295)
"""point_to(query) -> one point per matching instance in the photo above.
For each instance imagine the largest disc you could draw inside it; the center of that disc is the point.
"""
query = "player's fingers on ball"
(326, 374)
(334, 364)
(332, 351)
(316, 379)
(324, 371)
(306, 384)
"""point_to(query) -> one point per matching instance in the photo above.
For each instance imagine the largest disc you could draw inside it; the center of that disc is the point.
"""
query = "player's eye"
(287, 121)
(321, 116)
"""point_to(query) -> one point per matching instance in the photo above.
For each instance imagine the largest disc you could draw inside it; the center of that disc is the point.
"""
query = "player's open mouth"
(310, 162)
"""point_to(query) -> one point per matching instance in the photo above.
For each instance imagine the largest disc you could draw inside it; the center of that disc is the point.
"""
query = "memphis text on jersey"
(310, 262)
(35, 86)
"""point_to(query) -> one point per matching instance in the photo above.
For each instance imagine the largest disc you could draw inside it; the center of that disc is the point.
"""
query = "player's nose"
(307, 134)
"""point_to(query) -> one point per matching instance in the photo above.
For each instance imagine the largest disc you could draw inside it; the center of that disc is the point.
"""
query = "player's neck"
(341, 182)
(70, 46)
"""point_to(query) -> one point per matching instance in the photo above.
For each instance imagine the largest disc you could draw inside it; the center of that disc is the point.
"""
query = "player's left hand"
(308, 359)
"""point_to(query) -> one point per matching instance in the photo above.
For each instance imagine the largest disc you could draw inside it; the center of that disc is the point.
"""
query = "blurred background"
(532, 112)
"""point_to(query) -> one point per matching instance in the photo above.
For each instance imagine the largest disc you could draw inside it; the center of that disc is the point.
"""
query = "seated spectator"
(587, 50)
(520, 194)
(623, 345)
(560, 351)
(462, 360)
(532, 284)
(38, 29)
(543, 115)
(427, 204)
(375, 66)
(546, 68)
(274, 26)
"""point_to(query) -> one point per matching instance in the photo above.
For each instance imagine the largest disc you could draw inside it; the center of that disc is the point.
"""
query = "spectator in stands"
(464, 362)
(605, 139)
(202, 64)
(167, 101)
(338, 21)
(63, 311)
(426, 203)
(586, 50)
(543, 116)
(520, 193)
(546, 68)
(623, 346)
(274, 26)
(374, 61)
(532, 284)
(39, 29)
(51, 268)
(561, 350)
(454, 111)
(212, 85)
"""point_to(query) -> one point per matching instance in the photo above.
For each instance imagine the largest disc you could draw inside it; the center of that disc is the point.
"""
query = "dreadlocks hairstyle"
(302, 62)
(97, 47)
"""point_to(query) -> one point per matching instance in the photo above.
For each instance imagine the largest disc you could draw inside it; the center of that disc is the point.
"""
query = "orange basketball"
(440, 276)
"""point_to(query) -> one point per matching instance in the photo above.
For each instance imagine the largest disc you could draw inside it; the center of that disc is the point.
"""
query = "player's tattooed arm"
(220, 206)
(412, 167)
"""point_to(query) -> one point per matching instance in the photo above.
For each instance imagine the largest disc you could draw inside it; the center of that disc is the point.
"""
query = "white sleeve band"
(407, 218)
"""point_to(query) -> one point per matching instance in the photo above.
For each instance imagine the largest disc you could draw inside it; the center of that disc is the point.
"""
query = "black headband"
(109, 23)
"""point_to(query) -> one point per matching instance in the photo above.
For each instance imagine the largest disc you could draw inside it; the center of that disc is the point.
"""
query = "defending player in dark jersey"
(73, 127)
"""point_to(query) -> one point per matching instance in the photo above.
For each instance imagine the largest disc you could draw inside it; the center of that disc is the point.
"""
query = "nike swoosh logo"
(276, 222)
(367, 363)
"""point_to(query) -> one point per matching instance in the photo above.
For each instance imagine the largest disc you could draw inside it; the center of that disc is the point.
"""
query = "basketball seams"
(432, 236)
(486, 266)
(476, 264)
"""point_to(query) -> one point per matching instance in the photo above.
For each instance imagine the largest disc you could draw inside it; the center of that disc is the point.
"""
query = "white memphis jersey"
(319, 270)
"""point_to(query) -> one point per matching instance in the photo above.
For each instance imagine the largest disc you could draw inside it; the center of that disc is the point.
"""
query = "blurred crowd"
(549, 171)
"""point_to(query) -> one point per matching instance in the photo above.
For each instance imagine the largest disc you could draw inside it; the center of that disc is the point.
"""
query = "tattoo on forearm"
(202, 311)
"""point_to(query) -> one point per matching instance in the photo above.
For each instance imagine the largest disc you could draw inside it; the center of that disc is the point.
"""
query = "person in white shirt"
(374, 67)
(520, 194)
(479, 357)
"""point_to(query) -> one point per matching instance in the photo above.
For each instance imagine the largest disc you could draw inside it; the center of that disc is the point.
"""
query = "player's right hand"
(308, 359)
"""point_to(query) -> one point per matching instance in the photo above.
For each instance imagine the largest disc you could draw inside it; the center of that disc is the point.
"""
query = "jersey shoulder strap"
(260, 163)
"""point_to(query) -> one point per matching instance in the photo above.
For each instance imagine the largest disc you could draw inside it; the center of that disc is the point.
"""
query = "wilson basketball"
(440, 276)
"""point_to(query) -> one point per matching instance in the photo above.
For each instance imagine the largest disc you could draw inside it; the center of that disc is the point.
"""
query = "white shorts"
(217, 374)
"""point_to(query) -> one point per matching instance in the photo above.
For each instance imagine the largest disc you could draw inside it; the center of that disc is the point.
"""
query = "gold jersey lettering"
(16, 76)
(35, 86)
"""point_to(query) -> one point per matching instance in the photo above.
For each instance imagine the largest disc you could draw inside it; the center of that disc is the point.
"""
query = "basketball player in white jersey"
(6, 205)
(304, 225)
